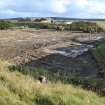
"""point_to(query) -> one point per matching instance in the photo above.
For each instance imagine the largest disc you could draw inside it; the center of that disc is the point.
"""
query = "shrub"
(5, 25)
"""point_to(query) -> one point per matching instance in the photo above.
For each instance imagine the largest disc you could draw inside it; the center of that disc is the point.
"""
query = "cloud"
(60, 6)
(89, 8)
(33, 7)
(81, 3)
(97, 7)
(92, 5)
(68, 8)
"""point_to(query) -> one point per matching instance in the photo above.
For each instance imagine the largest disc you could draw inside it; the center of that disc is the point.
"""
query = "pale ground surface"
(38, 49)
(14, 43)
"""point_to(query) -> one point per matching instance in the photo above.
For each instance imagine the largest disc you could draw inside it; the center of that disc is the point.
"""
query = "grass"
(99, 53)
(101, 24)
(19, 89)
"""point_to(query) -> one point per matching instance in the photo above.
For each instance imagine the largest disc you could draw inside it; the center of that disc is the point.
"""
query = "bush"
(86, 27)
(5, 25)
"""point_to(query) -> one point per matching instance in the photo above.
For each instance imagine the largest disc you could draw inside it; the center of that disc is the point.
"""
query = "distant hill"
(80, 19)
(57, 19)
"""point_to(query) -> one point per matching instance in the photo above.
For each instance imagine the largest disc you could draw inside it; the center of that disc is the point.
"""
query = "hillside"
(18, 89)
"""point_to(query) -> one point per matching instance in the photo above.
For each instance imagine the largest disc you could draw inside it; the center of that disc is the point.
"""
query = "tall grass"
(19, 89)
(101, 24)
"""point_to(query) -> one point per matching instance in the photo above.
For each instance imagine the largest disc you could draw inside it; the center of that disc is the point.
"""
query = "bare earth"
(38, 49)
(15, 43)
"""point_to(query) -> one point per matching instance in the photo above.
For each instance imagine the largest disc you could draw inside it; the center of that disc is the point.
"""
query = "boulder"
(42, 79)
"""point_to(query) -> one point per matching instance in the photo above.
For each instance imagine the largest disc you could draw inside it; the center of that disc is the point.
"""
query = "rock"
(42, 79)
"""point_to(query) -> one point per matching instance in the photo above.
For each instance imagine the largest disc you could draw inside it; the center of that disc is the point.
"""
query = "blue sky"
(47, 8)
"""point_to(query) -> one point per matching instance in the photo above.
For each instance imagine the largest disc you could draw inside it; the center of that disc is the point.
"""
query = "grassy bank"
(101, 24)
(19, 89)
(99, 52)
(99, 55)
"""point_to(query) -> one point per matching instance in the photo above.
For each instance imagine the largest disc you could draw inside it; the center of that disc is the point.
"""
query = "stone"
(42, 79)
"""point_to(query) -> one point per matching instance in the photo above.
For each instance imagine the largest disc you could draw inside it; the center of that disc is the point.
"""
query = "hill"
(56, 19)
(75, 19)
(18, 89)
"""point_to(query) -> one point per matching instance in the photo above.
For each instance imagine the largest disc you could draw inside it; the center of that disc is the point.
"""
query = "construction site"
(63, 51)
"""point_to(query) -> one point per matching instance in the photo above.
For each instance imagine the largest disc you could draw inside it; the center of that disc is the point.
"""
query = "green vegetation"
(75, 26)
(5, 25)
(99, 55)
(99, 51)
(19, 89)
(37, 25)
(89, 83)
(101, 24)
(86, 27)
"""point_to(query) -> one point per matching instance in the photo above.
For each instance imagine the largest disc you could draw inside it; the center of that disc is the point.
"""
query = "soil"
(28, 48)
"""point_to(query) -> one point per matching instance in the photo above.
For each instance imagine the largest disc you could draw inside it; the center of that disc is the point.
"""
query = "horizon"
(55, 17)
(85, 9)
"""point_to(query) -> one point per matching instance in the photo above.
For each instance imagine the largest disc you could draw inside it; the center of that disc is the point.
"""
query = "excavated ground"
(52, 50)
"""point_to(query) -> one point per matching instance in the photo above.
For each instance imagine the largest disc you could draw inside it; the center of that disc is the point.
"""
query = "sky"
(52, 8)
